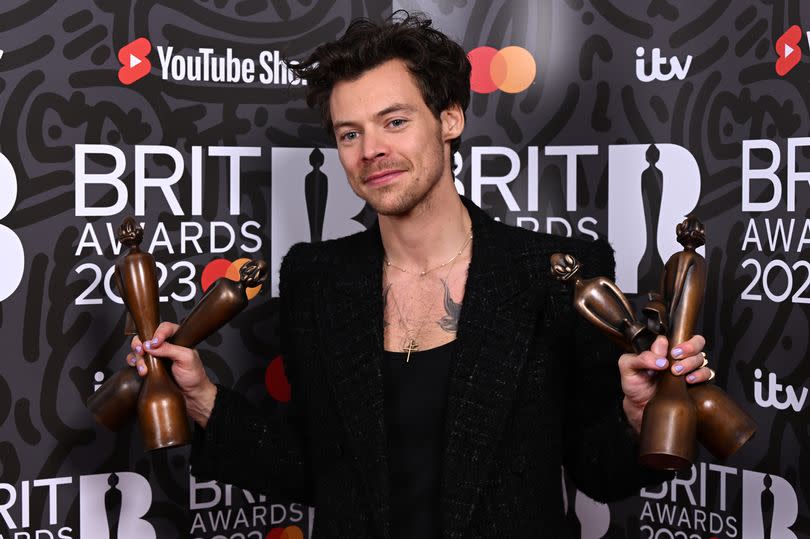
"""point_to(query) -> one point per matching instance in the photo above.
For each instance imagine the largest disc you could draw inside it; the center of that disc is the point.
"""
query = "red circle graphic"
(213, 271)
(275, 380)
(481, 77)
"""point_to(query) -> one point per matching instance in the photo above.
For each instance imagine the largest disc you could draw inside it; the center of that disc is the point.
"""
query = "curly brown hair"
(439, 64)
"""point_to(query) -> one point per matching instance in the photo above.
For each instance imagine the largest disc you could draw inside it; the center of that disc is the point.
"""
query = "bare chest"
(422, 312)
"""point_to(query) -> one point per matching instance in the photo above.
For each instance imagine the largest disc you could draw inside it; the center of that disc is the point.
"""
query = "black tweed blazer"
(532, 388)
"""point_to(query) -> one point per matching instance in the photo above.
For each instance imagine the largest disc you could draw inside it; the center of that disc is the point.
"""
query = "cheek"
(346, 158)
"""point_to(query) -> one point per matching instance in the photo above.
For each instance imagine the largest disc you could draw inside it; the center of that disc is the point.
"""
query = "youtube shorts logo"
(133, 58)
(787, 47)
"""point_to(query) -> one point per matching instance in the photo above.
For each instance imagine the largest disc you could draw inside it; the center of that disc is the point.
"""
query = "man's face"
(390, 144)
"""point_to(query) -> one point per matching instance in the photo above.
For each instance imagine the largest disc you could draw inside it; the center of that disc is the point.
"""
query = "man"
(439, 375)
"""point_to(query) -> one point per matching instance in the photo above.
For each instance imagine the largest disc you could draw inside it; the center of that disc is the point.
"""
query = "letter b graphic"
(11, 271)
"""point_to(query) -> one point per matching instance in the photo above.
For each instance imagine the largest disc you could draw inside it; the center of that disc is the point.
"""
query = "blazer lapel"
(497, 322)
(352, 340)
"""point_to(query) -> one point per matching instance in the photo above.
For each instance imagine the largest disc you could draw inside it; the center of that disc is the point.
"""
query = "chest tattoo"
(385, 304)
(449, 322)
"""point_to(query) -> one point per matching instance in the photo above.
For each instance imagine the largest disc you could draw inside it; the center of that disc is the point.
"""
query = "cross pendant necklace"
(409, 347)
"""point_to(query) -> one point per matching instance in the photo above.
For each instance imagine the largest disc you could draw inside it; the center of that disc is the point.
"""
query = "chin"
(395, 205)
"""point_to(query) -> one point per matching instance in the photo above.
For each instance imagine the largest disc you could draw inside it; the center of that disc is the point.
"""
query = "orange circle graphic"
(232, 273)
(511, 69)
(292, 532)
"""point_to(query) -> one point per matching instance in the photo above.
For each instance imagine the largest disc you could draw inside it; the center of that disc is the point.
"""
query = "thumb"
(660, 346)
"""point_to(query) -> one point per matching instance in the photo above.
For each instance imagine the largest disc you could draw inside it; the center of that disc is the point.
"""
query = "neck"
(430, 234)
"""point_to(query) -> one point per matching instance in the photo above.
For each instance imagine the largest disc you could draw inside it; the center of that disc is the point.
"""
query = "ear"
(452, 119)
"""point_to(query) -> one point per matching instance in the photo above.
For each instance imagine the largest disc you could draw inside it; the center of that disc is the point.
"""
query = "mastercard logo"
(290, 532)
(511, 69)
(222, 267)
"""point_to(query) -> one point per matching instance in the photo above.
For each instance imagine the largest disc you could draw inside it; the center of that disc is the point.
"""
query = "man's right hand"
(187, 370)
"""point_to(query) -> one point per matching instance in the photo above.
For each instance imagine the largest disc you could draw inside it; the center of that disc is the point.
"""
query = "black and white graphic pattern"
(640, 112)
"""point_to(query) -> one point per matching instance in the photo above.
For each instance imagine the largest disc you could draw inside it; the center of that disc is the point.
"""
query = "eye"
(397, 122)
(349, 136)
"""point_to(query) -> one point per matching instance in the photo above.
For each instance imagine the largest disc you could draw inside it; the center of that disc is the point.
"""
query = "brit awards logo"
(769, 507)
(651, 187)
(113, 506)
(311, 201)
(11, 271)
(706, 503)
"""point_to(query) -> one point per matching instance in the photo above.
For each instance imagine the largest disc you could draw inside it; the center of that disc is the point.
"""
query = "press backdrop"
(598, 118)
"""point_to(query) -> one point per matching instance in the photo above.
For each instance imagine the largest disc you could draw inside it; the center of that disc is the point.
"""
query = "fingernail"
(678, 368)
(691, 378)
(154, 341)
(148, 345)
(661, 362)
(131, 359)
(676, 352)
(138, 349)
(141, 370)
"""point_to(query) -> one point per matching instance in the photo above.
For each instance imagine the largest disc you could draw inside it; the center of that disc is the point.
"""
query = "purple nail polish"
(138, 349)
(148, 345)
(141, 370)
(661, 362)
(676, 352)
(678, 368)
(691, 378)
(154, 341)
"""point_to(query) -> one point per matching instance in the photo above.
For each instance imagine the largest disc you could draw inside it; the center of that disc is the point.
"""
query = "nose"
(374, 146)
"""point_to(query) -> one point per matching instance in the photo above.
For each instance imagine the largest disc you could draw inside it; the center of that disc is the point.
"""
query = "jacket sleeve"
(601, 448)
(242, 444)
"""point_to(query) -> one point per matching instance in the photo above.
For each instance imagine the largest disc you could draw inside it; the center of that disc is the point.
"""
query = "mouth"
(382, 177)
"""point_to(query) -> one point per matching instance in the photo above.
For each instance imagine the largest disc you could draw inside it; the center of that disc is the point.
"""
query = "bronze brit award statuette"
(161, 407)
(669, 424)
(117, 399)
(668, 428)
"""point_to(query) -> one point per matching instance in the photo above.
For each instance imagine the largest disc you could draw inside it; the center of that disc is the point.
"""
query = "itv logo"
(676, 69)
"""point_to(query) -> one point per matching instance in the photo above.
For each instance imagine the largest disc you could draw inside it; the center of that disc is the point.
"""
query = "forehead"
(376, 89)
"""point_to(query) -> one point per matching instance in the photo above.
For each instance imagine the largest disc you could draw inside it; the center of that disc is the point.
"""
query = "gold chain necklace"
(410, 340)
(467, 241)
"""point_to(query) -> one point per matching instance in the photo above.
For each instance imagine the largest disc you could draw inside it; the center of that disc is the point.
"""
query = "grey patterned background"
(59, 90)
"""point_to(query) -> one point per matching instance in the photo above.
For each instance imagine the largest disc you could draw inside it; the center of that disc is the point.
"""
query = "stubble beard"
(412, 197)
(404, 204)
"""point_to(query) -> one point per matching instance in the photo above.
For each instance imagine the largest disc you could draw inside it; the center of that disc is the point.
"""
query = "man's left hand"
(639, 372)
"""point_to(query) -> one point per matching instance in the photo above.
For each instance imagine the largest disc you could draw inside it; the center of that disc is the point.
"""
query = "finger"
(136, 345)
(163, 332)
(692, 347)
(630, 364)
(177, 354)
(141, 366)
(131, 360)
(688, 365)
(703, 374)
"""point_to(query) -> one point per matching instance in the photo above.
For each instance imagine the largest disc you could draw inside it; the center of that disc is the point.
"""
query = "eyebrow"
(396, 107)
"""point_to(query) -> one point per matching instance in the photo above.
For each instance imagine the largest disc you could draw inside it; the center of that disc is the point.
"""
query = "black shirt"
(415, 403)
